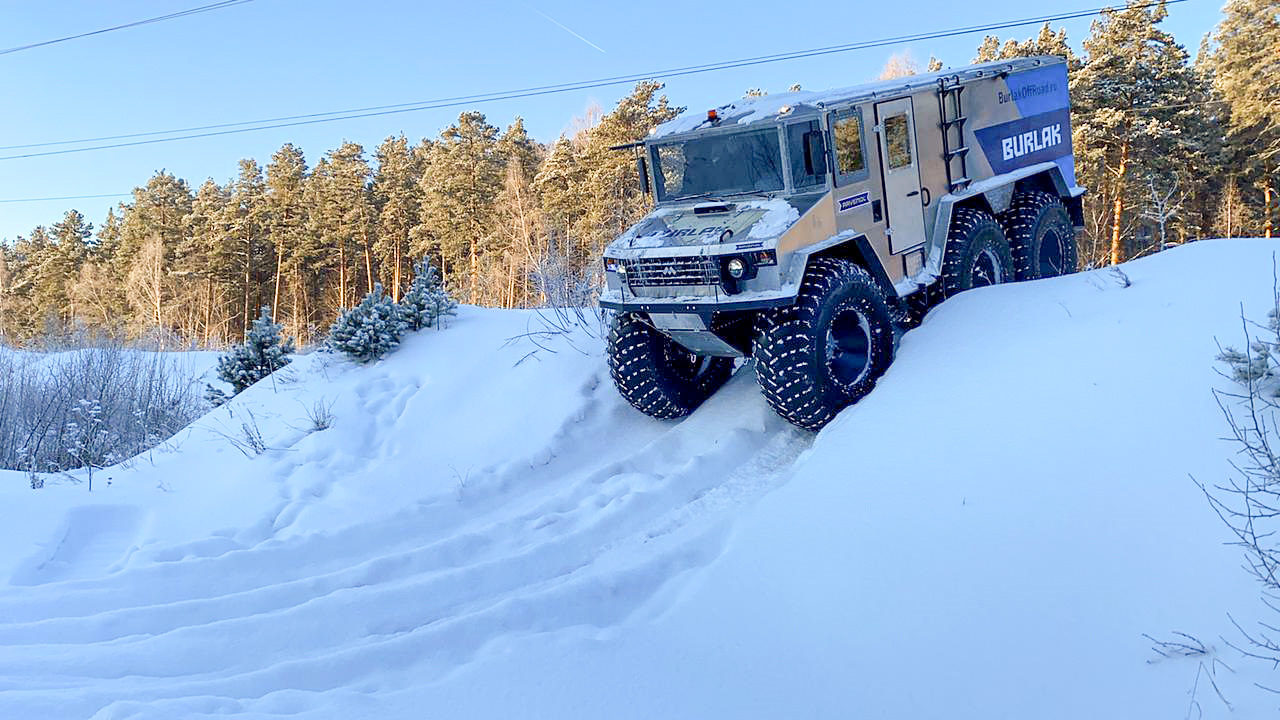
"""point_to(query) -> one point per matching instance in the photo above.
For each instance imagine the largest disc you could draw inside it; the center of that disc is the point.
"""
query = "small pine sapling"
(426, 302)
(262, 353)
(369, 330)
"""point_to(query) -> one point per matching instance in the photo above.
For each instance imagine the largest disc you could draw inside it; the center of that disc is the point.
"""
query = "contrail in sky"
(566, 29)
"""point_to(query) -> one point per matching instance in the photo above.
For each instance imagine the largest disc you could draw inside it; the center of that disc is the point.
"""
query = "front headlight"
(614, 265)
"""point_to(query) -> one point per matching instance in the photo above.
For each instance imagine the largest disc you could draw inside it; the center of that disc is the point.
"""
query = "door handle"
(913, 193)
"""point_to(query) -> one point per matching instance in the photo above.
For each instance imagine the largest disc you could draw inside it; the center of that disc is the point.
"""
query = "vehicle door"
(900, 173)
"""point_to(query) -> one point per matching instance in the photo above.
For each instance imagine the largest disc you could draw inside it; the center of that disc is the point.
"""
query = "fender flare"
(848, 245)
(995, 193)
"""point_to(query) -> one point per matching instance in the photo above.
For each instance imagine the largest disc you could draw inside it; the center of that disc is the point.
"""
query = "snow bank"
(486, 530)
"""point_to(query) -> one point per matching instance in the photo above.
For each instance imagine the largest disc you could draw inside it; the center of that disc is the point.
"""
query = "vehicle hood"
(693, 225)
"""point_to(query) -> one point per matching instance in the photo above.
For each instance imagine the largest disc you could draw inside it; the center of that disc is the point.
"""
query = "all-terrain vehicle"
(807, 229)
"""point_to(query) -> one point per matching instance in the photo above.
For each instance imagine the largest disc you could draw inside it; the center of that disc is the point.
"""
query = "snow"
(775, 105)
(778, 216)
(488, 531)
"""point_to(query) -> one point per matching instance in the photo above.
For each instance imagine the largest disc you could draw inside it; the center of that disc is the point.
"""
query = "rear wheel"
(658, 376)
(977, 253)
(1041, 235)
(827, 350)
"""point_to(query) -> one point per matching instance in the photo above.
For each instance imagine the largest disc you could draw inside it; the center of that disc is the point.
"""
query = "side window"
(803, 174)
(897, 134)
(851, 164)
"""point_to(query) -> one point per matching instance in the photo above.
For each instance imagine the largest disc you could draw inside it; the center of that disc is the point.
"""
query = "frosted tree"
(461, 182)
(262, 353)
(397, 199)
(1136, 113)
(1246, 71)
(89, 439)
(426, 302)
(899, 65)
(369, 330)
(287, 225)
(1047, 42)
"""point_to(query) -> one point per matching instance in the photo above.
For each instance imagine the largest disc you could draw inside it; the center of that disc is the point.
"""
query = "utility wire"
(66, 197)
(136, 23)
(338, 115)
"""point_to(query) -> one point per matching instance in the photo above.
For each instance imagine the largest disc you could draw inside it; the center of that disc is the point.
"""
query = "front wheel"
(827, 350)
(658, 376)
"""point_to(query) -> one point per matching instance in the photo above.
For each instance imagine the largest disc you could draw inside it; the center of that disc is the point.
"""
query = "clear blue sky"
(270, 58)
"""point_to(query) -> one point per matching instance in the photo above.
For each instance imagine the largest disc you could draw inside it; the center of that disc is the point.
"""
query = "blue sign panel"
(853, 201)
(1036, 91)
(1026, 141)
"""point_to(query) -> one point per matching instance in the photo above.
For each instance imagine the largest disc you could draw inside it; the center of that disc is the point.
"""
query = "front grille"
(664, 272)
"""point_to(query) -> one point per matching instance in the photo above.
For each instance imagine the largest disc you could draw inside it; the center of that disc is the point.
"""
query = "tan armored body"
(803, 228)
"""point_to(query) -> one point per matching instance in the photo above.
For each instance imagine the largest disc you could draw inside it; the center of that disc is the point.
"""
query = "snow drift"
(486, 530)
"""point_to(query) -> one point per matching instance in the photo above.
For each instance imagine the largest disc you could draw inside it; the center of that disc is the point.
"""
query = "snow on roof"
(768, 108)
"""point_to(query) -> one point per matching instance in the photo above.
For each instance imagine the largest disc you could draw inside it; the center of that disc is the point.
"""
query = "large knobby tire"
(657, 375)
(827, 350)
(1041, 236)
(977, 253)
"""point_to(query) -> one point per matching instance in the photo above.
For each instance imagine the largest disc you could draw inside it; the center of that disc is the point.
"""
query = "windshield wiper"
(721, 195)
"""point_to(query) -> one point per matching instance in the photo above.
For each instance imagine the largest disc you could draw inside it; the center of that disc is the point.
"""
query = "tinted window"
(897, 134)
(803, 173)
(847, 129)
(719, 164)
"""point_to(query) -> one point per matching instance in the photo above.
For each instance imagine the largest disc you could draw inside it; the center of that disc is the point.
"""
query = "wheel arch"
(855, 248)
(993, 196)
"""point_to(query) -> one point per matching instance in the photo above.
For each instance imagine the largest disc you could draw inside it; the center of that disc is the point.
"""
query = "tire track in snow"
(566, 538)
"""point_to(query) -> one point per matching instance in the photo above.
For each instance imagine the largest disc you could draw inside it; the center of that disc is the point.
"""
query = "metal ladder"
(952, 116)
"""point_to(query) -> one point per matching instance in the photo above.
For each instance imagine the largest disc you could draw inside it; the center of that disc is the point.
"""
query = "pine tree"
(561, 188)
(519, 223)
(341, 217)
(98, 293)
(155, 223)
(370, 330)
(899, 65)
(61, 265)
(426, 302)
(207, 266)
(1047, 42)
(397, 197)
(295, 248)
(613, 197)
(248, 228)
(261, 353)
(461, 182)
(1246, 72)
(1132, 120)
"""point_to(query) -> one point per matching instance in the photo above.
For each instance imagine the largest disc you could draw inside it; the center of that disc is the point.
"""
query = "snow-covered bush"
(262, 353)
(369, 330)
(1261, 362)
(426, 303)
(90, 407)
(1247, 503)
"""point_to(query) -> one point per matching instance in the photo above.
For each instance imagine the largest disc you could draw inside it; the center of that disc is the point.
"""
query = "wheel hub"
(847, 347)
(986, 269)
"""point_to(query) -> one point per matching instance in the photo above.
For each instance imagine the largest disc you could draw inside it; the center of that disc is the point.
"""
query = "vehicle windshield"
(719, 164)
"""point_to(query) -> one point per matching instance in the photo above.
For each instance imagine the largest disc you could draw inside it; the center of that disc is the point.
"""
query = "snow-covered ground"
(487, 530)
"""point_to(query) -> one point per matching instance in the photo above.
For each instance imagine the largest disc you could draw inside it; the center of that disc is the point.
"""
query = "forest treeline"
(1170, 151)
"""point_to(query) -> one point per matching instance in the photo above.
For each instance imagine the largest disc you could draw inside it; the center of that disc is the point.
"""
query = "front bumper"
(614, 300)
(693, 284)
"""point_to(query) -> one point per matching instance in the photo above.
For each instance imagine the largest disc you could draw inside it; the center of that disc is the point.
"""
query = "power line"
(65, 197)
(338, 115)
(136, 23)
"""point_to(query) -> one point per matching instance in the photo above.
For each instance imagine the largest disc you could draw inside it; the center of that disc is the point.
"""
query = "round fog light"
(737, 267)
